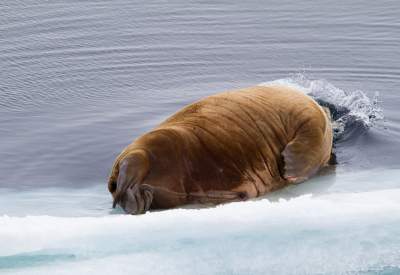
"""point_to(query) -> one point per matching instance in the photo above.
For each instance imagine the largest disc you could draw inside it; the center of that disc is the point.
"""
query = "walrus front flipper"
(308, 151)
(295, 169)
(219, 196)
(213, 196)
(228, 195)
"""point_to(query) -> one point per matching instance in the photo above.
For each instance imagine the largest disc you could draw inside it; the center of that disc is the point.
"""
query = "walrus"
(226, 147)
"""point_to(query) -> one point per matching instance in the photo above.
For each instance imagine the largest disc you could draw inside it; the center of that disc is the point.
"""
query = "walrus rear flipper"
(138, 199)
(133, 196)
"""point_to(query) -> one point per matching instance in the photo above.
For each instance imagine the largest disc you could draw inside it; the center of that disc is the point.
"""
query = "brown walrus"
(226, 147)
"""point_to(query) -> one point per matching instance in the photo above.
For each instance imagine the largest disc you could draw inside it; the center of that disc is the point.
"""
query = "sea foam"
(351, 109)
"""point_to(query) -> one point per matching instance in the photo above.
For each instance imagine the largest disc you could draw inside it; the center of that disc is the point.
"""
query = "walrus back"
(244, 132)
(236, 144)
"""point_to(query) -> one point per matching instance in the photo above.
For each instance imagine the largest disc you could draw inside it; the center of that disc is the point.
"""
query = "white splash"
(361, 108)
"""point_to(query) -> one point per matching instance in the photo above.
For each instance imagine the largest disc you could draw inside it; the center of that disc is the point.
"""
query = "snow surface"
(332, 231)
(341, 222)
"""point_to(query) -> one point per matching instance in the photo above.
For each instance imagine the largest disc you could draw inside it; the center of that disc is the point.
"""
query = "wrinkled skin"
(226, 147)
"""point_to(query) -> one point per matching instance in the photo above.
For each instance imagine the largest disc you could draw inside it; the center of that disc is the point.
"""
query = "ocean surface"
(79, 80)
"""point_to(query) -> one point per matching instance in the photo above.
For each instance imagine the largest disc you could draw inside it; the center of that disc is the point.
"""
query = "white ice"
(342, 222)
(323, 226)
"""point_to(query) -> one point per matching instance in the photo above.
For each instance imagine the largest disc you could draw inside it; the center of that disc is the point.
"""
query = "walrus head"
(126, 182)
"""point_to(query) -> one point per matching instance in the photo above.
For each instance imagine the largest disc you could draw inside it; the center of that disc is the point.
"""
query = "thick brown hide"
(229, 146)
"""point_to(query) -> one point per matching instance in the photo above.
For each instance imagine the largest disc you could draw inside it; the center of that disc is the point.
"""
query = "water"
(79, 80)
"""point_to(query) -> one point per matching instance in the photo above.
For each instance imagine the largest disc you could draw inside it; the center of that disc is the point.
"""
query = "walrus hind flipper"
(139, 199)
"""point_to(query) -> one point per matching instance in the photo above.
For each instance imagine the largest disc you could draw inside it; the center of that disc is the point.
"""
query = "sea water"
(341, 221)
(79, 80)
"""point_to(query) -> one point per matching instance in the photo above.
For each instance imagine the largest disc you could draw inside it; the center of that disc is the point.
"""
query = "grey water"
(79, 80)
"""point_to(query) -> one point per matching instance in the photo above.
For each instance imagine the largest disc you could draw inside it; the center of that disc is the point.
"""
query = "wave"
(353, 112)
